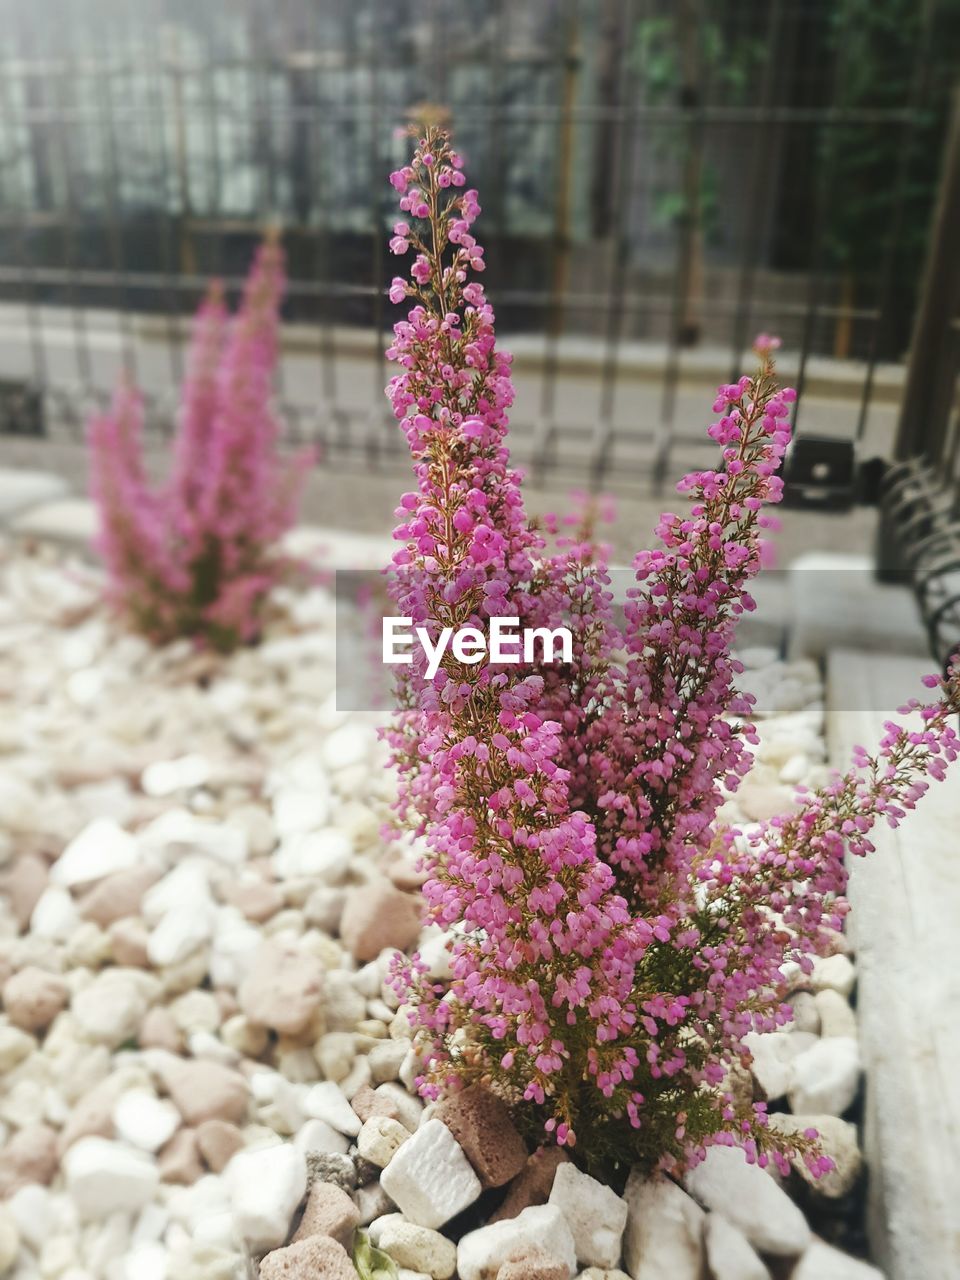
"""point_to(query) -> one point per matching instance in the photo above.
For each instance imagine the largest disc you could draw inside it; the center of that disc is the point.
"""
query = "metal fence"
(660, 178)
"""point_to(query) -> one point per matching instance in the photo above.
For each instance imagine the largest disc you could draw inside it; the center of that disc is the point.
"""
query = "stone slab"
(21, 489)
(65, 520)
(904, 922)
(835, 601)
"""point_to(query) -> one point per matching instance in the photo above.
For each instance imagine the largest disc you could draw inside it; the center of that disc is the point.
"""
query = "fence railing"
(658, 182)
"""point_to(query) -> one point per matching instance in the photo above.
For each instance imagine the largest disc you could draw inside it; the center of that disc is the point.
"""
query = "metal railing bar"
(527, 113)
(648, 303)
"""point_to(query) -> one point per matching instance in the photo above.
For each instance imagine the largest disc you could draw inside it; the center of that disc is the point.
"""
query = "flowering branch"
(614, 944)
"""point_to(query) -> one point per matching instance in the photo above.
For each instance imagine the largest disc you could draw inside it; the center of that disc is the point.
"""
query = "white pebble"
(104, 1177)
(144, 1120)
(266, 1185)
(326, 1102)
(826, 1077)
(380, 1138)
(595, 1214)
(481, 1253)
(429, 1178)
(101, 847)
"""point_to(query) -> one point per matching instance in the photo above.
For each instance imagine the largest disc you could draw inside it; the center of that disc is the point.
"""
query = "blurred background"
(660, 180)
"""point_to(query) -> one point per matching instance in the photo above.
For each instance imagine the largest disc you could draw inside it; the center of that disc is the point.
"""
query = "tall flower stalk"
(614, 943)
(197, 555)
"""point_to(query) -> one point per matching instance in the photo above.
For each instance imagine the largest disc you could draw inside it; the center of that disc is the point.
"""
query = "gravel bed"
(202, 1071)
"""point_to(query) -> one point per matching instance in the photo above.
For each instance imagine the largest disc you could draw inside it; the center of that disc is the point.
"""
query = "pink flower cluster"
(195, 556)
(615, 943)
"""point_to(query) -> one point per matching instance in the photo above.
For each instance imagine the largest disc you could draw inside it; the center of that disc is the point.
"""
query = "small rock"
(664, 1233)
(143, 1120)
(833, 973)
(838, 1139)
(165, 777)
(418, 1248)
(326, 1102)
(316, 1258)
(179, 934)
(599, 1273)
(323, 856)
(128, 943)
(760, 802)
(595, 1214)
(364, 1104)
(331, 1167)
(773, 1054)
(335, 1054)
(196, 1011)
(33, 998)
(159, 1030)
(356, 1078)
(482, 1253)
(794, 769)
(9, 1239)
(750, 1198)
(15, 1045)
(92, 1116)
(30, 1156)
(391, 1098)
(100, 849)
(244, 1037)
(430, 1179)
(218, 1141)
(533, 1183)
(826, 1077)
(437, 954)
(179, 1161)
(836, 1016)
(372, 1202)
(324, 908)
(266, 1185)
(283, 990)
(386, 1059)
(258, 900)
(481, 1123)
(380, 1138)
(729, 1255)
(23, 885)
(821, 1262)
(318, 1136)
(377, 916)
(344, 1006)
(533, 1263)
(55, 916)
(329, 1211)
(806, 1016)
(367, 1171)
(109, 1177)
(204, 1090)
(32, 1210)
(117, 896)
(110, 1009)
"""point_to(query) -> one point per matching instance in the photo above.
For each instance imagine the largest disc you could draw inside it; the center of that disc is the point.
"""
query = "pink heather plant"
(615, 943)
(197, 557)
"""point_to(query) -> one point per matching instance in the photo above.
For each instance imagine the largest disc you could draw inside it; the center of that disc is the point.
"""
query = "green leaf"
(372, 1263)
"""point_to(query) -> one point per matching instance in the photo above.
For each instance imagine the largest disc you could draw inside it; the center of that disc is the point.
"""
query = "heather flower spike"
(197, 556)
(615, 943)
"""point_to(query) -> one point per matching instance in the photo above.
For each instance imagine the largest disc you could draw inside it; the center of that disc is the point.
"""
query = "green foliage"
(372, 1263)
(725, 65)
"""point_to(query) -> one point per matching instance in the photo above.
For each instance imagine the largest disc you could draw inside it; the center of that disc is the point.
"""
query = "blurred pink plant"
(197, 555)
(615, 943)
